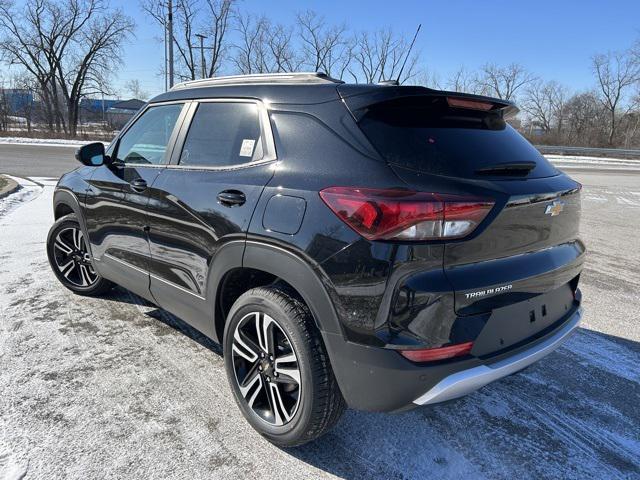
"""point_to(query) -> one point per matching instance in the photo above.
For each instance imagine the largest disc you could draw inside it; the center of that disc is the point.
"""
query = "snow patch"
(24, 194)
(583, 162)
(10, 469)
(44, 142)
(592, 349)
(592, 160)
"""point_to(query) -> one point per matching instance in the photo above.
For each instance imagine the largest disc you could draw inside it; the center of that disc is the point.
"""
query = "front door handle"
(231, 198)
(139, 185)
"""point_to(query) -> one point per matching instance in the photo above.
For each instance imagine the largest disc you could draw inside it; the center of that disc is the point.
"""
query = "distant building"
(17, 101)
(121, 112)
(96, 105)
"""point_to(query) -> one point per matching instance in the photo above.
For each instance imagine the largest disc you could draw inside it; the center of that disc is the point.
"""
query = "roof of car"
(303, 88)
(260, 78)
(287, 88)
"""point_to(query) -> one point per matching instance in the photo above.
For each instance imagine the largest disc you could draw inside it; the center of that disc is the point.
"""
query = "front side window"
(147, 139)
(223, 134)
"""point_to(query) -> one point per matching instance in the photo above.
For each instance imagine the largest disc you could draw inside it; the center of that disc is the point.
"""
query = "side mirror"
(92, 154)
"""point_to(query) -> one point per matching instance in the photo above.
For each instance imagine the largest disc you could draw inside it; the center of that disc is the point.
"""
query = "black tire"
(74, 268)
(319, 401)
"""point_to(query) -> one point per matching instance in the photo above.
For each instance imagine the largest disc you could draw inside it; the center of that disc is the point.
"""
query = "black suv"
(371, 246)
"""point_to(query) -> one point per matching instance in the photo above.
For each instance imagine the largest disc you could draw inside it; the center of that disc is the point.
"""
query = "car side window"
(223, 134)
(147, 139)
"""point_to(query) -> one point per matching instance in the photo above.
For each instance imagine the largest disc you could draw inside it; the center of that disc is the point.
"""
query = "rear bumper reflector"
(467, 381)
(442, 353)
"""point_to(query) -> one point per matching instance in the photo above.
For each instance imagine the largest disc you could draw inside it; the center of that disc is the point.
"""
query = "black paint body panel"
(175, 243)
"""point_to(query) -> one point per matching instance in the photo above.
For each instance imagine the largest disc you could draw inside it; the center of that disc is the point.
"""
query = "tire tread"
(100, 288)
(328, 402)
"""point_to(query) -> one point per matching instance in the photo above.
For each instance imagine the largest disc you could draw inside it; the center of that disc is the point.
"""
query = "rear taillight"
(405, 215)
(442, 353)
(458, 102)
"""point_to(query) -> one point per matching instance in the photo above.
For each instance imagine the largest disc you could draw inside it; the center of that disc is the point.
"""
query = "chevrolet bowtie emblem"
(554, 208)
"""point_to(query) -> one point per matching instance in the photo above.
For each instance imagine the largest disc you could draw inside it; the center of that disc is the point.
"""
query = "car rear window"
(426, 135)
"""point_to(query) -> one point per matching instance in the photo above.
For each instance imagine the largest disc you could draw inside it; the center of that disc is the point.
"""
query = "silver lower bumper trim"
(467, 381)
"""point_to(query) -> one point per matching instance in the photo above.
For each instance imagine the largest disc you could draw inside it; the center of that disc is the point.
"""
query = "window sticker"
(246, 150)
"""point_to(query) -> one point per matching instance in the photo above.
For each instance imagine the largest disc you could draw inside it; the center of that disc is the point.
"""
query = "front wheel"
(278, 368)
(70, 259)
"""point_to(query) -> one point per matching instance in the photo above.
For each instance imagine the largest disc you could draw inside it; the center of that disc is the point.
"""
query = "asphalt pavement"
(114, 387)
(37, 160)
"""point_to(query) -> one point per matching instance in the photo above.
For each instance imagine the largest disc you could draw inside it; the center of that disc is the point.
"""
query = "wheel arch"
(298, 273)
(271, 264)
(65, 203)
(62, 209)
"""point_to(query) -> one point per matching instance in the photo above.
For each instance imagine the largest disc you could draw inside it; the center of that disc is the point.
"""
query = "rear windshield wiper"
(511, 169)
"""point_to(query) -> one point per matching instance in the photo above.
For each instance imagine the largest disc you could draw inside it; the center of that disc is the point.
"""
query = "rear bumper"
(467, 381)
(379, 379)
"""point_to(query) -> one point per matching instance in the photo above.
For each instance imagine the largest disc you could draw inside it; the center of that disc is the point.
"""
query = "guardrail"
(589, 151)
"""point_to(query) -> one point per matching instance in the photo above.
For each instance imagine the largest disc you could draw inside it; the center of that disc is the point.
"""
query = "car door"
(204, 200)
(115, 212)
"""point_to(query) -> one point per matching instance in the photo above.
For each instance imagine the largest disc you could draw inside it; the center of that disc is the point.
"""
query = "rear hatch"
(459, 144)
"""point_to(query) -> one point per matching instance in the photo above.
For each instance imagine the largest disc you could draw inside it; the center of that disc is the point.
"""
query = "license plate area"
(510, 325)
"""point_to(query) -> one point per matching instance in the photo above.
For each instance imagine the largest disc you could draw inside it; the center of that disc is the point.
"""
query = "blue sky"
(553, 39)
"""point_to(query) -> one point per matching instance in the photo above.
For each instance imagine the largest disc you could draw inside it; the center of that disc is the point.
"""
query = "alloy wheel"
(72, 258)
(266, 368)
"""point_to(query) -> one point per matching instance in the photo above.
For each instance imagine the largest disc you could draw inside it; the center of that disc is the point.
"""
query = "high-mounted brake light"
(406, 215)
(442, 353)
(470, 104)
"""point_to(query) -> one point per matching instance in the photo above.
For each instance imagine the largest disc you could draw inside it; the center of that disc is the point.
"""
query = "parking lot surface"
(115, 388)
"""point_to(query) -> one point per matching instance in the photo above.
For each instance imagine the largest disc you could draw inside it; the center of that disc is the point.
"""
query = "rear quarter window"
(428, 136)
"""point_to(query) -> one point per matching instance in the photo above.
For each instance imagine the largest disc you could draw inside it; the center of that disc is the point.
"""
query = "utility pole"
(170, 40)
(165, 64)
(202, 63)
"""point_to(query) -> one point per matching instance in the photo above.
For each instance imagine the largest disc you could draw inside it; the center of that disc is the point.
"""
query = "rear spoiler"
(358, 100)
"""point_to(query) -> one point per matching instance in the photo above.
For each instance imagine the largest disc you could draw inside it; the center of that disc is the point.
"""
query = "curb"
(10, 188)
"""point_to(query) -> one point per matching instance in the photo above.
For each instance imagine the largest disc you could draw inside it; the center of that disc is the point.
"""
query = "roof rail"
(259, 78)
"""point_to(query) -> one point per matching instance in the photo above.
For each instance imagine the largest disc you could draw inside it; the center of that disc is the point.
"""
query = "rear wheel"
(278, 368)
(70, 259)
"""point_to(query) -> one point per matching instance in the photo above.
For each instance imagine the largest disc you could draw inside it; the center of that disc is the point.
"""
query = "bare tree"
(68, 45)
(24, 36)
(426, 78)
(284, 57)
(264, 47)
(463, 81)
(616, 73)
(503, 82)
(218, 23)
(184, 17)
(4, 107)
(134, 89)
(324, 48)
(544, 102)
(630, 125)
(27, 86)
(251, 51)
(379, 56)
(210, 17)
(94, 49)
(585, 117)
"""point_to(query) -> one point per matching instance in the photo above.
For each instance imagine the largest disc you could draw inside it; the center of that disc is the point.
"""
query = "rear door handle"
(231, 198)
(139, 185)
